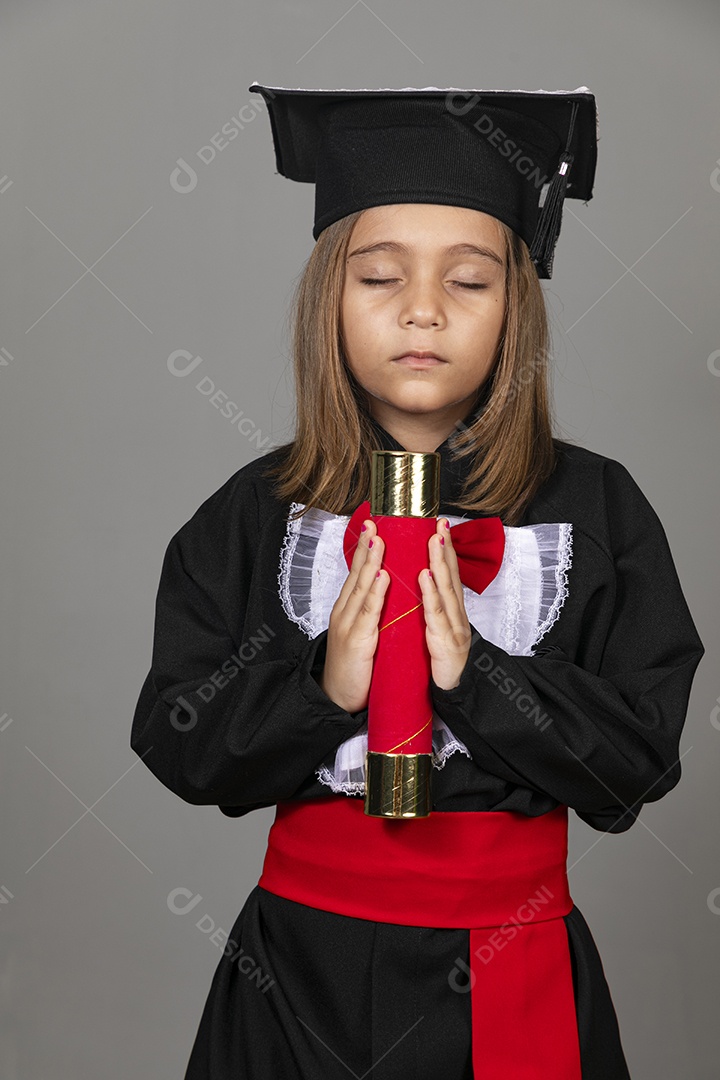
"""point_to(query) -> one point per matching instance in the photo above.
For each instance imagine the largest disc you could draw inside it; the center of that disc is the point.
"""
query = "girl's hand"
(353, 625)
(448, 633)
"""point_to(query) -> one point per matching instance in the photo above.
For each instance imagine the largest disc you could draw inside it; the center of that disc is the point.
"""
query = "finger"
(363, 612)
(453, 631)
(360, 555)
(441, 570)
(449, 559)
(445, 616)
(366, 596)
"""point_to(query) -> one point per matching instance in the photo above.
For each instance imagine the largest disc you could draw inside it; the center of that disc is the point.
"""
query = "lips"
(419, 359)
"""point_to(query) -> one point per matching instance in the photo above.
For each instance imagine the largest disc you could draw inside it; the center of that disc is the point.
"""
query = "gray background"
(107, 270)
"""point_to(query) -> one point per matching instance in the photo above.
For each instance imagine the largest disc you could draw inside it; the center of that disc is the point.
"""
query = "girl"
(448, 947)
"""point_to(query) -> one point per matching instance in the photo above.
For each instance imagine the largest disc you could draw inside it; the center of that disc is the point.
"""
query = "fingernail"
(446, 523)
(370, 544)
(363, 528)
(442, 539)
(429, 573)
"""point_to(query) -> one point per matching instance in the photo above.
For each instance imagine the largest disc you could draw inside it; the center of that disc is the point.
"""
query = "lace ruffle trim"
(347, 775)
(514, 612)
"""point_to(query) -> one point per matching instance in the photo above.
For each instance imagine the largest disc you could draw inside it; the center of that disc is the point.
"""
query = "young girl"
(444, 947)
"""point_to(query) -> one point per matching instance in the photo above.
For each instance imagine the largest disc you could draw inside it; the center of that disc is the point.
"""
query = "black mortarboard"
(489, 150)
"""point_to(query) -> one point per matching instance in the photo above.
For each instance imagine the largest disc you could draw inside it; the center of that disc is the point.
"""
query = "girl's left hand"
(448, 633)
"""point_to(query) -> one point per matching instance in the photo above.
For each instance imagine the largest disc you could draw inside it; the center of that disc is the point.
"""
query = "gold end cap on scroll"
(398, 785)
(405, 483)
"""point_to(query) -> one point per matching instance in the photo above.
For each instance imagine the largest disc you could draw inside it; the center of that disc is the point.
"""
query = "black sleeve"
(261, 734)
(603, 741)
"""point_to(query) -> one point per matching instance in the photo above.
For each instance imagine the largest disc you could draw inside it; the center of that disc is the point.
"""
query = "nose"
(422, 305)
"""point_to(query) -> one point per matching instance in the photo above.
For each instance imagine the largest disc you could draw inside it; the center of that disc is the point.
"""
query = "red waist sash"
(499, 874)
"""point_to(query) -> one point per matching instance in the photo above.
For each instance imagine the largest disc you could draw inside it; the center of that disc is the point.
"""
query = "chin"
(416, 407)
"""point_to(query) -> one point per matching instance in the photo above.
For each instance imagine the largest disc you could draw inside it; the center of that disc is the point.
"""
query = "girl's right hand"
(353, 625)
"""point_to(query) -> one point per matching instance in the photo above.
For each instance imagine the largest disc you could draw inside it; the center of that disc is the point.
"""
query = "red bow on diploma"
(399, 701)
(478, 543)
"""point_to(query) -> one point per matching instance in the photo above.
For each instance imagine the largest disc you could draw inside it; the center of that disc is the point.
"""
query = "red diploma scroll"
(405, 490)
(400, 703)
(405, 503)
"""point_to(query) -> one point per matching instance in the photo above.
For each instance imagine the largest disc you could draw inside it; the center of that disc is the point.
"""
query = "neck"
(422, 432)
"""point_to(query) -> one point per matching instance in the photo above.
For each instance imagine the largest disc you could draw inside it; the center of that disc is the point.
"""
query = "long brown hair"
(509, 443)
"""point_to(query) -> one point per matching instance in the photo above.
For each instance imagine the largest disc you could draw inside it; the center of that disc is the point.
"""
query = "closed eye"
(390, 281)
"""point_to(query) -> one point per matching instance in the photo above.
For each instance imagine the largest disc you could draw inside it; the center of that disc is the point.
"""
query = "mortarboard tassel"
(549, 221)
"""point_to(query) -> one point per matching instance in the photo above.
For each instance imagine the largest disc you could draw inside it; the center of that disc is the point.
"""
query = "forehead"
(426, 226)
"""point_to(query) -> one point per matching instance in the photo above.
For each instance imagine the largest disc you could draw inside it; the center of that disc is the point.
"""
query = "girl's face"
(440, 273)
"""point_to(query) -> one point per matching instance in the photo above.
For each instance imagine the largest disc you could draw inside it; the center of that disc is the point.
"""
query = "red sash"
(500, 874)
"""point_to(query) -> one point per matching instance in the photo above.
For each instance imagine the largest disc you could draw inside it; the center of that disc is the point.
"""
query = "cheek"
(486, 318)
(353, 325)
(358, 319)
(495, 317)
(347, 317)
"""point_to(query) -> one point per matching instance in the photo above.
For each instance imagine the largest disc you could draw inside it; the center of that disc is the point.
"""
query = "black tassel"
(542, 250)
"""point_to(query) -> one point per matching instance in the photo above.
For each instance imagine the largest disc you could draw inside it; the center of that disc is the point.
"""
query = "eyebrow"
(454, 249)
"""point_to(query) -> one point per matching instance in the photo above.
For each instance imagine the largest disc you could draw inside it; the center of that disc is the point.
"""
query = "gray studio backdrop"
(135, 231)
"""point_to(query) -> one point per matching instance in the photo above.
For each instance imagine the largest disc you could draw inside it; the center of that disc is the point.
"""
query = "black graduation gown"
(231, 715)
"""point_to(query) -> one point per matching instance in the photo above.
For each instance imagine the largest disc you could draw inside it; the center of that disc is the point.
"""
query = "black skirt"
(306, 994)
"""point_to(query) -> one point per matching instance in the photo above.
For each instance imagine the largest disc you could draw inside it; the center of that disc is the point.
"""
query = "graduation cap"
(514, 154)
